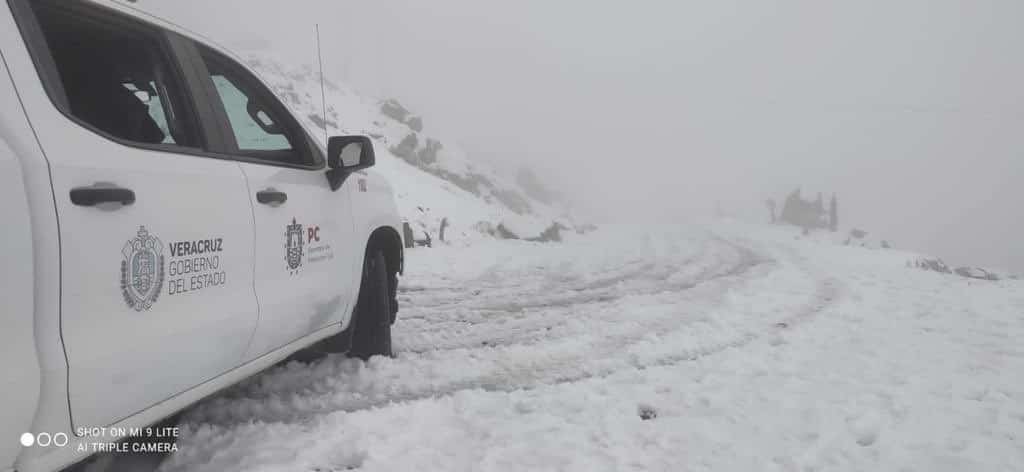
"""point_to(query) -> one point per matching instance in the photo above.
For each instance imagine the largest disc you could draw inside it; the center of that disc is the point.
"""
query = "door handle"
(269, 196)
(92, 196)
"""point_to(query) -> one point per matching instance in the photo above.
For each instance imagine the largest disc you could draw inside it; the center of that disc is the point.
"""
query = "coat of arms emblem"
(142, 270)
(293, 245)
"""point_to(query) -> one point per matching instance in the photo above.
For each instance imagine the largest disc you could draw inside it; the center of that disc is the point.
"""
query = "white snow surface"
(753, 348)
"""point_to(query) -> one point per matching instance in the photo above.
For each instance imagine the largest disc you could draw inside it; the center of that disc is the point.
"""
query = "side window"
(261, 126)
(117, 75)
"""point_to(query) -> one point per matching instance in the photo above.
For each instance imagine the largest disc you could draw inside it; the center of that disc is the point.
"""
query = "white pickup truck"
(170, 228)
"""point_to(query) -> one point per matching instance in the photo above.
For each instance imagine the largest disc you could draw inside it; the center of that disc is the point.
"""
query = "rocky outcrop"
(553, 234)
(975, 273)
(406, 149)
(415, 123)
(391, 108)
(425, 155)
(428, 153)
(394, 110)
(502, 232)
(934, 265)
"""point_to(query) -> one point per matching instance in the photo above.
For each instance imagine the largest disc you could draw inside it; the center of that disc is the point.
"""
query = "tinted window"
(260, 123)
(117, 75)
(248, 132)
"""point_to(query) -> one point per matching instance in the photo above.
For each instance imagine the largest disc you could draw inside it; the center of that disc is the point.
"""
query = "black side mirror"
(350, 153)
(347, 154)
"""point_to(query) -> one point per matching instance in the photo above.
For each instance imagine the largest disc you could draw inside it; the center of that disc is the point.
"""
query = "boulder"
(391, 108)
(501, 232)
(407, 148)
(553, 234)
(416, 123)
(428, 154)
(975, 273)
(934, 265)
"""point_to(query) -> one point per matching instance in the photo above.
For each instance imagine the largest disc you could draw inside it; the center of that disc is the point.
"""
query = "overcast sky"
(912, 111)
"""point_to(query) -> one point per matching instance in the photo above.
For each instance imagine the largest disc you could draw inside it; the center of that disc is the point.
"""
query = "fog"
(911, 111)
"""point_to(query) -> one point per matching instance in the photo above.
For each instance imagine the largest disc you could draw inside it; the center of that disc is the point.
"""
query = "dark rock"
(416, 123)
(976, 273)
(425, 159)
(407, 148)
(501, 232)
(550, 235)
(934, 265)
(428, 154)
(394, 110)
(647, 412)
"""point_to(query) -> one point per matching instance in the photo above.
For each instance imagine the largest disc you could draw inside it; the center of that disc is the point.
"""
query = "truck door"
(304, 244)
(155, 236)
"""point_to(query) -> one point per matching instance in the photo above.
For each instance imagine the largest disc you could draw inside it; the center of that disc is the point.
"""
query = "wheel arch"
(387, 239)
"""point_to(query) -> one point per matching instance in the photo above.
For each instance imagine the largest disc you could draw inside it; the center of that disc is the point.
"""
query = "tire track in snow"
(568, 350)
(512, 321)
(520, 324)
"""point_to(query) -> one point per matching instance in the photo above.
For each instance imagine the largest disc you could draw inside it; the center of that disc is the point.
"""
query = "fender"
(373, 208)
(41, 370)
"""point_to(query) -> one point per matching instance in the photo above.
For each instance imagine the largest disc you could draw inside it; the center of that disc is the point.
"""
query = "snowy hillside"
(720, 348)
(433, 178)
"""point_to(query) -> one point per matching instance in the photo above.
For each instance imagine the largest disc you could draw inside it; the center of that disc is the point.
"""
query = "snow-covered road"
(755, 351)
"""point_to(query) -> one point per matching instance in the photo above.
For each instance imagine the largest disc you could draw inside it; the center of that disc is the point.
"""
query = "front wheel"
(371, 335)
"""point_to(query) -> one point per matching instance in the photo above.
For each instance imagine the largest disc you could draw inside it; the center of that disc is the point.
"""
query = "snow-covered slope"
(434, 179)
(915, 259)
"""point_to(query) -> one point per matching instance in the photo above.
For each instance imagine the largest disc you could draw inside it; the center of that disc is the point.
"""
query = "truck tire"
(371, 335)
